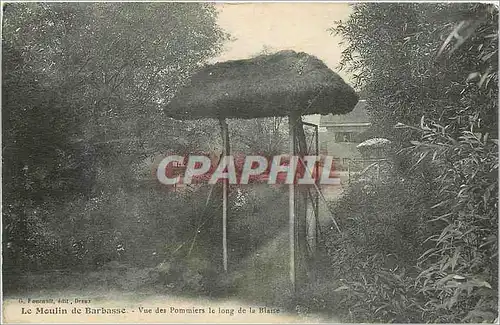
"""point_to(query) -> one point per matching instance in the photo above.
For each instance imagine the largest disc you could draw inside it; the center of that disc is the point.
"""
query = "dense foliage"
(83, 90)
(429, 72)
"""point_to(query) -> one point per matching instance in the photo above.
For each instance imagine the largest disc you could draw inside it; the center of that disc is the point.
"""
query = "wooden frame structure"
(297, 220)
(286, 83)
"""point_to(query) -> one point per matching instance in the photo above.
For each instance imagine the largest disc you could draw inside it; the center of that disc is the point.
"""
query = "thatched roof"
(265, 86)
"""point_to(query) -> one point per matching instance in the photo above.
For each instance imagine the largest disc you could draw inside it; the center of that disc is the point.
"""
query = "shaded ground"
(259, 280)
(264, 275)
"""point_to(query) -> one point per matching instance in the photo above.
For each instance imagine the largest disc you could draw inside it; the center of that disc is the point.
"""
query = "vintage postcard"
(252, 162)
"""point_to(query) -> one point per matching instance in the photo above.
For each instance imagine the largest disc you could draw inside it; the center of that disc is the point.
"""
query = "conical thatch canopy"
(265, 86)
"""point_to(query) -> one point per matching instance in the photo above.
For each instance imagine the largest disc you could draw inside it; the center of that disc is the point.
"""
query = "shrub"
(442, 96)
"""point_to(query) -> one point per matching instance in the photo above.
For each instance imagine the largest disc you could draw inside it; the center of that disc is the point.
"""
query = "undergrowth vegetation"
(421, 244)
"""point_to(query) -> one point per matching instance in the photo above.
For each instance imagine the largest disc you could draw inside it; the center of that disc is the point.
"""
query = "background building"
(343, 133)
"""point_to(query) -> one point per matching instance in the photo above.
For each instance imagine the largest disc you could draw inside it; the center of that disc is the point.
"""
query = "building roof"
(358, 116)
(264, 86)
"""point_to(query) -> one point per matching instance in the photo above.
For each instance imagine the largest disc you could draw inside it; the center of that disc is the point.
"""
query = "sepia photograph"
(249, 162)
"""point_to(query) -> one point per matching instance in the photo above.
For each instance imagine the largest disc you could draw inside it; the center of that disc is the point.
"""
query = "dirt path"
(261, 275)
(162, 309)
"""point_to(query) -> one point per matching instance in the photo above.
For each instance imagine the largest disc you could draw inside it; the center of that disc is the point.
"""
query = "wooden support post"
(313, 196)
(291, 207)
(300, 204)
(225, 191)
(316, 167)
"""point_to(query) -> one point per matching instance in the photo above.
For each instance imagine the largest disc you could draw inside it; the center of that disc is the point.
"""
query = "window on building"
(323, 147)
(344, 137)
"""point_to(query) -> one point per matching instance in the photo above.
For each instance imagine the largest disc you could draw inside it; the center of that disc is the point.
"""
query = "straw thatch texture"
(265, 86)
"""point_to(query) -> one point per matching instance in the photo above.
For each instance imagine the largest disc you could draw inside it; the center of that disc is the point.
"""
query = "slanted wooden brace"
(286, 83)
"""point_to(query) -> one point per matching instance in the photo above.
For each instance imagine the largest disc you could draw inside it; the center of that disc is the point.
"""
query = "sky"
(283, 26)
